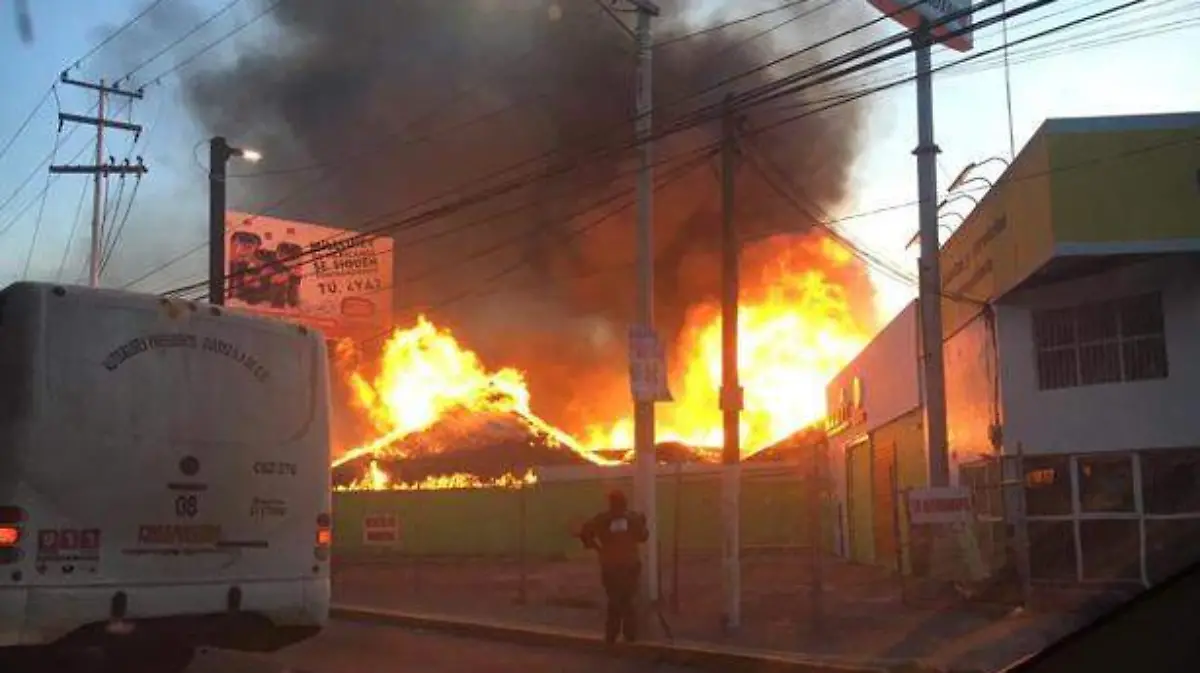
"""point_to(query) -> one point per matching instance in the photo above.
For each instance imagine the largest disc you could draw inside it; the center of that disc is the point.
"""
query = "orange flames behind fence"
(796, 330)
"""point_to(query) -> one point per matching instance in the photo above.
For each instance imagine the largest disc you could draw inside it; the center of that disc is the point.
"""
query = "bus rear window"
(125, 372)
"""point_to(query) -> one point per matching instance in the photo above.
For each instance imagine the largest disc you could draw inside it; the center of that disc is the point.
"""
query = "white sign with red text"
(939, 504)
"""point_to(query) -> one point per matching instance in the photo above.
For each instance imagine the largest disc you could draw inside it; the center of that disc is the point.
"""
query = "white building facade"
(1072, 349)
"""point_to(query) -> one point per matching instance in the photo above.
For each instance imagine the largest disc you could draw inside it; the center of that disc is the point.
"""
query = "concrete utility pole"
(815, 499)
(646, 470)
(731, 389)
(99, 170)
(219, 154)
(930, 290)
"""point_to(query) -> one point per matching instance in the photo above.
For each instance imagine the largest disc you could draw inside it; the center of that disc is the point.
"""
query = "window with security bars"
(1101, 342)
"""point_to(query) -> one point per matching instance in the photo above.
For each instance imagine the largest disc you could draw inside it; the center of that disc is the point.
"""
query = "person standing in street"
(615, 535)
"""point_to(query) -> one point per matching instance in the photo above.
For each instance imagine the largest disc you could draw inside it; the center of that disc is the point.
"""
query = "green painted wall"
(492, 522)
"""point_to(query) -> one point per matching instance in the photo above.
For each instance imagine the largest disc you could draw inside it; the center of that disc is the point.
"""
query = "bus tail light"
(11, 520)
(324, 536)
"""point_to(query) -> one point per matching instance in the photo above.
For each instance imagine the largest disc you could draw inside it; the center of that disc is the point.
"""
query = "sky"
(1140, 60)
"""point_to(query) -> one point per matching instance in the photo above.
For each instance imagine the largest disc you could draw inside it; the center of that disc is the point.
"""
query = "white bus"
(164, 479)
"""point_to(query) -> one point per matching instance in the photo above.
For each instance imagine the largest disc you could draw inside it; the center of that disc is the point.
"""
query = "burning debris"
(378, 479)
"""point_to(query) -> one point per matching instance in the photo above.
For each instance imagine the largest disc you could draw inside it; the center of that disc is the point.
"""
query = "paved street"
(354, 648)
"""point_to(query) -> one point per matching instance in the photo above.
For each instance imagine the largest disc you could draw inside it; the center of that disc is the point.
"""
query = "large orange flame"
(425, 375)
(796, 330)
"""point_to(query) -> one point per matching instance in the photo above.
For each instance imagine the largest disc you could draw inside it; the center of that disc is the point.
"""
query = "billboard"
(339, 284)
(910, 14)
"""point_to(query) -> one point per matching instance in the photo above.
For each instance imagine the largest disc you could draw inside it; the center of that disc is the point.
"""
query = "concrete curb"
(682, 654)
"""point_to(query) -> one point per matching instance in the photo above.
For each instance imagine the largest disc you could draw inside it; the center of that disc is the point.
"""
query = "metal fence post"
(522, 544)
(1021, 531)
(676, 517)
(896, 522)
(815, 528)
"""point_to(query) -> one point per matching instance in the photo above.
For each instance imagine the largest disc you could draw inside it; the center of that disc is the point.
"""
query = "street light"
(219, 154)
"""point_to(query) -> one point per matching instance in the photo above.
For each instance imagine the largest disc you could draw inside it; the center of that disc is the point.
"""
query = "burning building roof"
(462, 448)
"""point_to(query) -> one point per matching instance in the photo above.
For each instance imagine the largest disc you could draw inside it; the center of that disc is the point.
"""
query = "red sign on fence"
(381, 529)
(939, 504)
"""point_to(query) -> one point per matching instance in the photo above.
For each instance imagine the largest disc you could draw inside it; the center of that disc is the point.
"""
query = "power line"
(91, 52)
(487, 194)
(688, 160)
(121, 29)
(504, 188)
(120, 228)
(29, 204)
(71, 236)
(25, 123)
(167, 264)
(303, 189)
(729, 24)
(144, 140)
(194, 29)
(212, 45)
(42, 164)
(527, 180)
(37, 225)
(849, 98)
(470, 122)
(1032, 54)
(873, 258)
(667, 179)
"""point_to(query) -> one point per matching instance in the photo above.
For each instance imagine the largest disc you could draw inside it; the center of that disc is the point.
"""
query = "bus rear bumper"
(255, 615)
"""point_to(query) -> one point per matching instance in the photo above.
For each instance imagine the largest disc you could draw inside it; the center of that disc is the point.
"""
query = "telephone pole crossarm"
(96, 121)
(103, 169)
(102, 88)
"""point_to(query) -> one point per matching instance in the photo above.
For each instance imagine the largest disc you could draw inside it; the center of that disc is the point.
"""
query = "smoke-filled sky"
(330, 83)
(400, 102)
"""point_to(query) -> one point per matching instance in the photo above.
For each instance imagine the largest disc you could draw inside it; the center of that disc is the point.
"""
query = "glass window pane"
(1097, 321)
(1142, 315)
(1106, 483)
(1057, 369)
(1111, 549)
(1100, 362)
(1054, 327)
(1171, 546)
(1047, 485)
(1052, 550)
(1171, 481)
(1145, 358)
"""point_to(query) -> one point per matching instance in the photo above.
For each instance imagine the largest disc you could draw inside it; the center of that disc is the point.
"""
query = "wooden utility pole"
(100, 170)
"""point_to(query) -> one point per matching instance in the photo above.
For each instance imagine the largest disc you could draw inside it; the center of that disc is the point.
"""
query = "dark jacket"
(615, 534)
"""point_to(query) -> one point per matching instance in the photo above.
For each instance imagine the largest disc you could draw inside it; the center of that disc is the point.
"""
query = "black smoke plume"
(375, 106)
